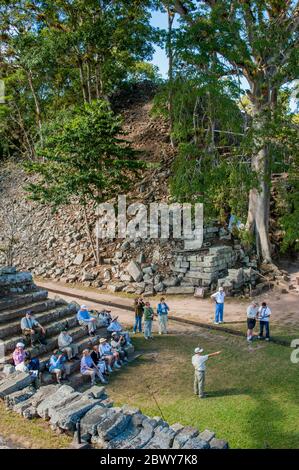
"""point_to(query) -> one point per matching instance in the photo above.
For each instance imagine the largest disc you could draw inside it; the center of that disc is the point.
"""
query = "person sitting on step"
(65, 344)
(88, 367)
(56, 365)
(98, 359)
(85, 319)
(117, 343)
(111, 357)
(19, 356)
(116, 327)
(32, 329)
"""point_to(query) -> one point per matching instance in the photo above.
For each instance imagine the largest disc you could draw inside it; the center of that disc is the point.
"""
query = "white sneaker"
(216, 323)
(110, 369)
(116, 365)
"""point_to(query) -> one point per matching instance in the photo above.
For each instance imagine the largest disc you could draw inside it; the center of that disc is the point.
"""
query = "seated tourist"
(104, 318)
(110, 357)
(33, 365)
(19, 356)
(117, 343)
(116, 327)
(65, 344)
(32, 330)
(88, 367)
(98, 359)
(56, 365)
(85, 319)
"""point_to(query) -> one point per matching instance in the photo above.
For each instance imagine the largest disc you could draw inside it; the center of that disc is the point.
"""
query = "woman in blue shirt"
(162, 311)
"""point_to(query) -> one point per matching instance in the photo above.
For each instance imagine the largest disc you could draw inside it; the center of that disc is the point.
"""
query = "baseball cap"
(198, 350)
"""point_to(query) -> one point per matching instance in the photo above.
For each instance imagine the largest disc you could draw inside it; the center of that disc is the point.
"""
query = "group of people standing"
(254, 313)
(144, 311)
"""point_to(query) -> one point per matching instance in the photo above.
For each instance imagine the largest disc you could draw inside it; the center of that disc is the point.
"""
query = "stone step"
(15, 283)
(20, 300)
(44, 312)
(66, 314)
(16, 381)
(14, 316)
(77, 333)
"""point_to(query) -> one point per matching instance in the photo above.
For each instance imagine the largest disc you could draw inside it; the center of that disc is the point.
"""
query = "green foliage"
(83, 156)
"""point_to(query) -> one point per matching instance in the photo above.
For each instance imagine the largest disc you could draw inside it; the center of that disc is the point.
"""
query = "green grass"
(253, 397)
(35, 434)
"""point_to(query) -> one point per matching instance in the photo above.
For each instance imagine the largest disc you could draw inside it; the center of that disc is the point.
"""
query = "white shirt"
(64, 340)
(219, 297)
(198, 362)
(264, 313)
(252, 311)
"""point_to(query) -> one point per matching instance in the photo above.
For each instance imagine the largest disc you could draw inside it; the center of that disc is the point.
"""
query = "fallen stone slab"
(206, 435)
(15, 382)
(196, 443)
(20, 396)
(30, 411)
(124, 439)
(144, 436)
(162, 439)
(218, 444)
(183, 436)
(66, 417)
(180, 290)
(96, 392)
(62, 396)
(92, 419)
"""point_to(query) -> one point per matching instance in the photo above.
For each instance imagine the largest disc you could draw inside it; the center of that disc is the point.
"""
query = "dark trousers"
(266, 325)
(33, 338)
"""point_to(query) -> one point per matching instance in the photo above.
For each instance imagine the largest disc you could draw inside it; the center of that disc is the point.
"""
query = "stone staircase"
(18, 294)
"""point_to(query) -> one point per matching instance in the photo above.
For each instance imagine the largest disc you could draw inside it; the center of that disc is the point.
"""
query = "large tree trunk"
(259, 196)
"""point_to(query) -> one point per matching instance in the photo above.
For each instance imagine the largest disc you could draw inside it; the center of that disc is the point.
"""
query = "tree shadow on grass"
(264, 424)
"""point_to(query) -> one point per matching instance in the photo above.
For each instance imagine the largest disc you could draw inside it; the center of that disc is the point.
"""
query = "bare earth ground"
(285, 310)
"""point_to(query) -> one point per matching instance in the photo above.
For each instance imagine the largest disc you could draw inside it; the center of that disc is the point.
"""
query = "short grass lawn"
(253, 399)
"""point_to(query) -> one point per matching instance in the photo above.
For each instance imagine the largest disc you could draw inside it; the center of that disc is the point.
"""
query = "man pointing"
(199, 364)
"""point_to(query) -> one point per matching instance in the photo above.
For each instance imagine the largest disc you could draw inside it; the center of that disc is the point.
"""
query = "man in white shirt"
(252, 312)
(65, 344)
(199, 364)
(219, 299)
(264, 318)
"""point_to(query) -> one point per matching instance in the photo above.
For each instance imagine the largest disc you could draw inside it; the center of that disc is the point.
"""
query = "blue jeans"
(138, 324)
(266, 325)
(219, 312)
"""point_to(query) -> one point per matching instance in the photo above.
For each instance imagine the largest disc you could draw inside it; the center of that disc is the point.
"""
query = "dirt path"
(284, 307)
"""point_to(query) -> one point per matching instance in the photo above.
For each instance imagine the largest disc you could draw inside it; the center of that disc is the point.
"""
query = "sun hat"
(198, 350)
(103, 340)
(20, 345)
(83, 307)
(114, 333)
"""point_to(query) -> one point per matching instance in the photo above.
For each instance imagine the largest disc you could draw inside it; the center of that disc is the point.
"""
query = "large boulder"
(135, 271)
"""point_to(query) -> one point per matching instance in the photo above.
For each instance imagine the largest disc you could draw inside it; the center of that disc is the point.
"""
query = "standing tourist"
(148, 320)
(138, 307)
(199, 364)
(264, 318)
(218, 297)
(162, 311)
(252, 312)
